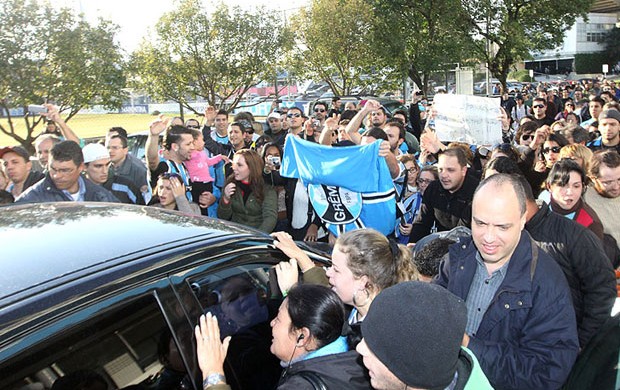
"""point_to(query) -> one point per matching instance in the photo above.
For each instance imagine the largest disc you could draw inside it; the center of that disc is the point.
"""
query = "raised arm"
(156, 127)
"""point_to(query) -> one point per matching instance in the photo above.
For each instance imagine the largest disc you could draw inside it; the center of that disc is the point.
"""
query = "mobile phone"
(36, 109)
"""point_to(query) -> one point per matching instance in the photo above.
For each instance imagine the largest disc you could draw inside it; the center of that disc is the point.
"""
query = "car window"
(245, 303)
(126, 344)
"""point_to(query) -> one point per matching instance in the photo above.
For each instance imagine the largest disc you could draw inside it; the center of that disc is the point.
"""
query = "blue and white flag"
(349, 187)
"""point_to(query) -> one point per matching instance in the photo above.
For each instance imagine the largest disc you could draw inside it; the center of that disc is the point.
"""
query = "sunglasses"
(526, 137)
(424, 181)
(554, 149)
(539, 106)
(249, 131)
(295, 115)
(319, 110)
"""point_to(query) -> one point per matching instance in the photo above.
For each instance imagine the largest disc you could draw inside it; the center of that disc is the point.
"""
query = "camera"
(36, 109)
(315, 124)
(274, 160)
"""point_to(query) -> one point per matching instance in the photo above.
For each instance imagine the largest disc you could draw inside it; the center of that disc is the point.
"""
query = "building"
(583, 37)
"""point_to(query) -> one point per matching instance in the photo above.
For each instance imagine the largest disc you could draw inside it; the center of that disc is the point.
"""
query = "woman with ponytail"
(364, 262)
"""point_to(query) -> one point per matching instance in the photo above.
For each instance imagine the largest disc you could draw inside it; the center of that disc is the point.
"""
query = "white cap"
(93, 152)
(274, 115)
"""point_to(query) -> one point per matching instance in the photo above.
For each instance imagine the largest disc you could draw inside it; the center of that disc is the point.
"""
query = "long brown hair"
(255, 164)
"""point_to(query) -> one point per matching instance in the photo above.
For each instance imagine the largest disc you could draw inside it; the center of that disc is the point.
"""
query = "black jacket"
(444, 209)
(587, 269)
(338, 371)
(33, 178)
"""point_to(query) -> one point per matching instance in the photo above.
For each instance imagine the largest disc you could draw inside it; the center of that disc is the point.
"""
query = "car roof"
(41, 243)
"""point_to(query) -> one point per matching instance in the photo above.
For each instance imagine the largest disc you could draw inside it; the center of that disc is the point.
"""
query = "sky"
(135, 17)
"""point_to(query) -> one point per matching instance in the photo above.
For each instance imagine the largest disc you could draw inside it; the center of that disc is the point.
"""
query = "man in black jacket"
(580, 254)
(447, 202)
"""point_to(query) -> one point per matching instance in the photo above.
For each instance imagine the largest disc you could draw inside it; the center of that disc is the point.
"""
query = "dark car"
(114, 291)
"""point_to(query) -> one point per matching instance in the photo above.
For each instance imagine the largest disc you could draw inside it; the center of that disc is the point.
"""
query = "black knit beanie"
(415, 329)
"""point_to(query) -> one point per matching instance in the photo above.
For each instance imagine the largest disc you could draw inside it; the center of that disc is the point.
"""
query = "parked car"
(116, 290)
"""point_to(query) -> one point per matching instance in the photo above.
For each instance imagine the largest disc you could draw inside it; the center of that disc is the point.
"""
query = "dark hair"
(122, 132)
(577, 133)
(347, 114)
(317, 308)
(573, 114)
(502, 164)
(335, 98)
(298, 109)
(509, 150)
(560, 172)
(6, 197)
(401, 127)
(255, 165)
(401, 112)
(123, 140)
(539, 99)
(526, 128)
(271, 145)
(610, 158)
(370, 253)
(501, 179)
(174, 135)
(321, 104)
(469, 155)
(527, 188)
(597, 99)
(261, 141)
(68, 151)
(456, 152)
(222, 112)
(376, 133)
(428, 258)
(244, 115)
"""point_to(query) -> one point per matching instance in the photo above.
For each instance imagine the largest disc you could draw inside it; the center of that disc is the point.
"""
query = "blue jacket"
(46, 191)
(528, 337)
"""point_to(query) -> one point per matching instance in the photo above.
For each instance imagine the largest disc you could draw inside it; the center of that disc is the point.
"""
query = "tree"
(610, 41)
(334, 44)
(216, 56)
(420, 36)
(51, 56)
(515, 28)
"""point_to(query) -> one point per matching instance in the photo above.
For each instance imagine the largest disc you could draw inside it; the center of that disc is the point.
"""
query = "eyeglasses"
(554, 149)
(295, 115)
(609, 183)
(538, 106)
(412, 170)
(61, 171)
(424, 181)
(319, 110)
(526, 137)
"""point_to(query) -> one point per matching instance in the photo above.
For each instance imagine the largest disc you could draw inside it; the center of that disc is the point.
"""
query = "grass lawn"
(86, 125)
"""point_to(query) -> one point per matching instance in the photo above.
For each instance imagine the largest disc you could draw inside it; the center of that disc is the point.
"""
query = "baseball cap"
(19, 150)
(94, 152)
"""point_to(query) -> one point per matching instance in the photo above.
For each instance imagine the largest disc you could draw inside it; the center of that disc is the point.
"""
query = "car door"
(240, 289)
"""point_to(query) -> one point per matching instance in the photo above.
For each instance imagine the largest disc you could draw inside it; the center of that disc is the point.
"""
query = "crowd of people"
(453, 265)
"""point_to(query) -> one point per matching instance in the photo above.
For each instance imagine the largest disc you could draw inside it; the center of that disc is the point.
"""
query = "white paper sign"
(466, 118)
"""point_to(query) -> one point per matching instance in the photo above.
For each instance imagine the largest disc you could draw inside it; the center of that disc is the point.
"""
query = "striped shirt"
(481, 293)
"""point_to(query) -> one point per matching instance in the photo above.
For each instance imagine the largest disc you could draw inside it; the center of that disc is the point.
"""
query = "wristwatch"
(213, 379)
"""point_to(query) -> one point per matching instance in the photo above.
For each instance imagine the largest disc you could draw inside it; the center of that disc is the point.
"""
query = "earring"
(366, 301)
